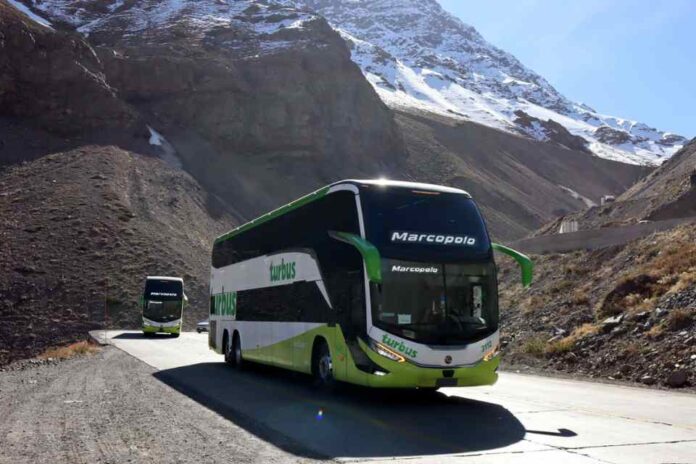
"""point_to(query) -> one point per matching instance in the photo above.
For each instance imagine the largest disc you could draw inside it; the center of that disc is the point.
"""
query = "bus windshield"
(437, 303)
(163, 311)
(163, 300)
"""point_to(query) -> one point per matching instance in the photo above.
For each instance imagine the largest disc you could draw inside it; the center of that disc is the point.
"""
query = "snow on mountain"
(414, 53)
(251, 19)
(33, 16)
(418, 56)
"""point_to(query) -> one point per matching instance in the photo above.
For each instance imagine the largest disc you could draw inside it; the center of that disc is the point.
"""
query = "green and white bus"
(373, 282)
(163, 304)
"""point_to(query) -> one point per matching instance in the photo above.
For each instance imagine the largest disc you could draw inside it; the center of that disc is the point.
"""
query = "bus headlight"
(386, 352)
(492, 353)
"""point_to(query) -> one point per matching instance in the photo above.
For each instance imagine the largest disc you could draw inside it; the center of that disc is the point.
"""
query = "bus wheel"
(322, 366)
(237, 359)
(227, 348)
(175, 335)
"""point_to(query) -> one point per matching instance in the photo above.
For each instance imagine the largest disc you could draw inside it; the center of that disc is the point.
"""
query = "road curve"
(522, 418)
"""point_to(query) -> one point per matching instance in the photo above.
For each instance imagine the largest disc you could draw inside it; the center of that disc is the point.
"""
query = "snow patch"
(33, 16)
(168, 152)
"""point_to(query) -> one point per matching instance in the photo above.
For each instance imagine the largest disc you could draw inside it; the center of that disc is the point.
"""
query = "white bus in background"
(163, 303)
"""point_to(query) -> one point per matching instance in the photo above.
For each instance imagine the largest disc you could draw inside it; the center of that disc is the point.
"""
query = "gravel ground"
(108, 408)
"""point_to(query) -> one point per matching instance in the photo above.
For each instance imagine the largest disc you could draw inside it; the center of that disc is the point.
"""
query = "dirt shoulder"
(109, 408)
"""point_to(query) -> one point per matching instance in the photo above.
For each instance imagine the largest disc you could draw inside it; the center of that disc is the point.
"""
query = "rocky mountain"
(520, 183)
(418, 56)
(669, 192)
(81, 229)
(624, 313)
(244, 93)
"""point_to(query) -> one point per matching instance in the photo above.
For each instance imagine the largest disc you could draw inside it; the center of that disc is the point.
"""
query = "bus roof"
(402, 184)
(178, 279)
(385, 183)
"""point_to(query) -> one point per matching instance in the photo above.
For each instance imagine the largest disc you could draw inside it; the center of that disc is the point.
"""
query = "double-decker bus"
(163, 304)
(373, 282)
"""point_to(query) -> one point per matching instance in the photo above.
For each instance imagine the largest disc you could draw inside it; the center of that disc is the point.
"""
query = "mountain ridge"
(243, 102)
(417, 55)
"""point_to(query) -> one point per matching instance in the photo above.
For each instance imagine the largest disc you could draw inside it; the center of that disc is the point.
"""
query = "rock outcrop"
(54, 79)
(248, 94)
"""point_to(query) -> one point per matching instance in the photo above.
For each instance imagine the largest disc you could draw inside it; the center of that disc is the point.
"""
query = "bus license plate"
(446, 382)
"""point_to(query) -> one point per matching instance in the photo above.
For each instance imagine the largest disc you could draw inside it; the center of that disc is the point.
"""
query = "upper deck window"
(424, 225)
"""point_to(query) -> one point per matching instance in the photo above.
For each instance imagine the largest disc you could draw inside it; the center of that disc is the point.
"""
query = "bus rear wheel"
(227, 348)
(237, 358)
(322, 366)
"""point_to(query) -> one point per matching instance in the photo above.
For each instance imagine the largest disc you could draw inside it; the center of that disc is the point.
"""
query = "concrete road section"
(521, 419)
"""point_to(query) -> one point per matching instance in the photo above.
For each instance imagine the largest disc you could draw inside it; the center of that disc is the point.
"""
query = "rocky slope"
(624, 313)
(81, 229)
(669, 192)
(53, 92)
(245, 92)
(520, 183)
(417, 55)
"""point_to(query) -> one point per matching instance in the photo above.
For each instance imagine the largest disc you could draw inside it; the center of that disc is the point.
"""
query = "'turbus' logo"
(282, 271)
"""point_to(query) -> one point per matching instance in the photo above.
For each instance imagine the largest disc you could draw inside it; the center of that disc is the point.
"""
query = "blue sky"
(629, 58)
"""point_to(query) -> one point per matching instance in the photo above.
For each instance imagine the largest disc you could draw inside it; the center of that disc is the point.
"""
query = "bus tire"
(237, 357)
(322, 365)
(227, 347)
(175, 335)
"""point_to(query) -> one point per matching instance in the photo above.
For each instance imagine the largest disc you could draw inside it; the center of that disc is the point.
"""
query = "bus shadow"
(285, 409)
(140, 335)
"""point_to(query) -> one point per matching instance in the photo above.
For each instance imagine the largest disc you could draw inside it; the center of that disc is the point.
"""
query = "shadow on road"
(139, 335)
(285, 409)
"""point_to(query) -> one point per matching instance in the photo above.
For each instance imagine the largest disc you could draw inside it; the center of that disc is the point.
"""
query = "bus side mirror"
(526, 264)
(370, 254)
(185, 299)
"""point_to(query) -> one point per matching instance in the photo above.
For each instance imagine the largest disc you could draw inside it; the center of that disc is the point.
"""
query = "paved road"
(521, 419)
(595, 238)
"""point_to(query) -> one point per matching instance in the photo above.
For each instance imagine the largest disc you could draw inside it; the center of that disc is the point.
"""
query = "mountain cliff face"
(53, 91)
(418, 56)
(246, 93)
(81, 229)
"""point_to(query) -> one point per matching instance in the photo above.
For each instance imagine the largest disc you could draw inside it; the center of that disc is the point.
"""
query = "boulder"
(677, 379)
(610, 323)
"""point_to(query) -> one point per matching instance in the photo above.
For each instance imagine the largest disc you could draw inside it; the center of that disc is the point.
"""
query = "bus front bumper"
(408, 375)
(164, 327)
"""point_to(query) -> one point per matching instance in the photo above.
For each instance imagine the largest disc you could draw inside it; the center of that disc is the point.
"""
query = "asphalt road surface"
(521, 419)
